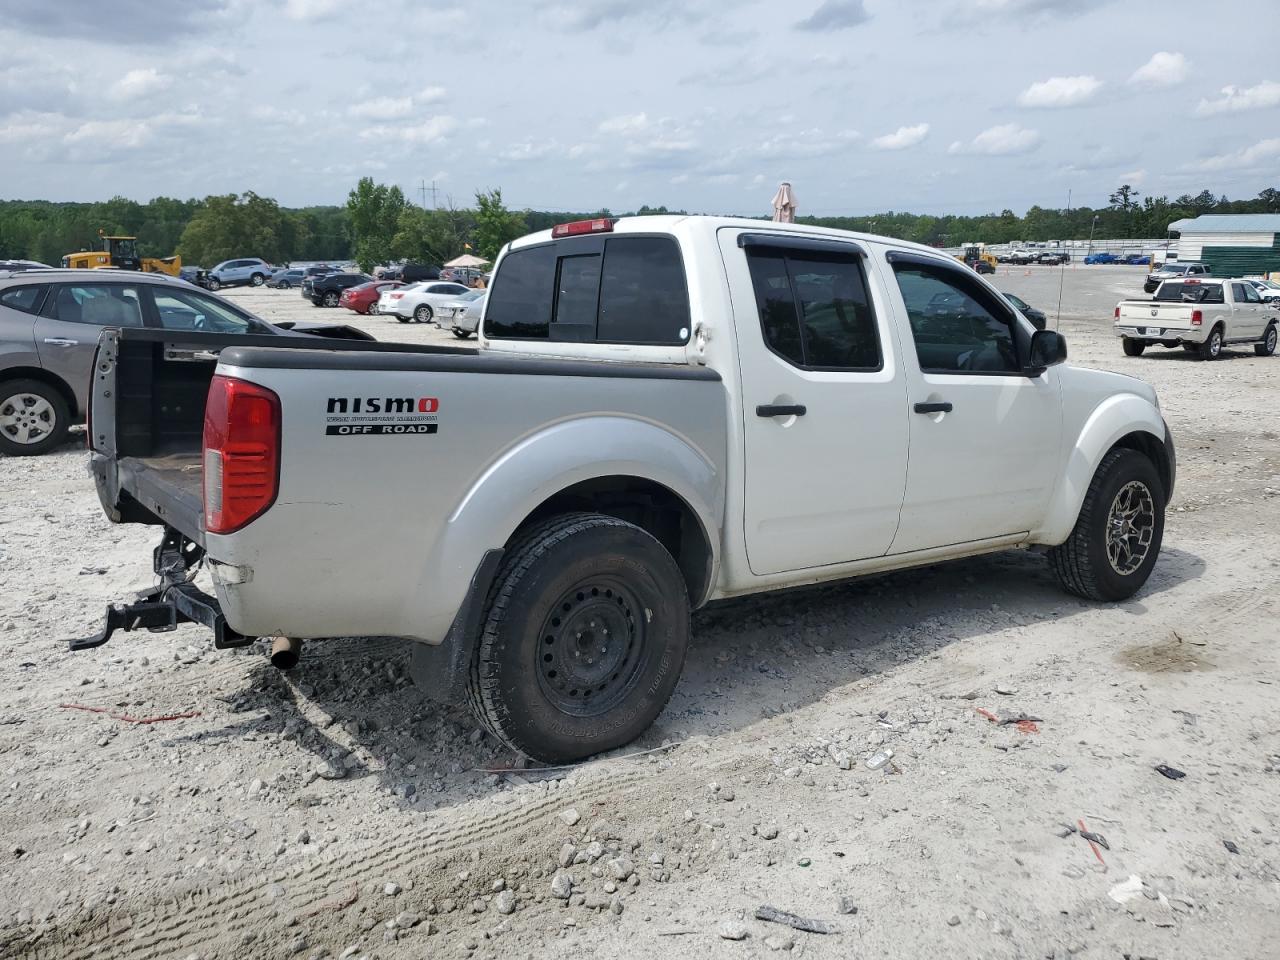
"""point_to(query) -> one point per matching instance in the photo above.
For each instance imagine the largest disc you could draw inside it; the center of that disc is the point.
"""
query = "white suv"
(230, 273)
(419, 302)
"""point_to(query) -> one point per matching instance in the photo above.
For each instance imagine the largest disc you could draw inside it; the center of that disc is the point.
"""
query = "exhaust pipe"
(285, 652)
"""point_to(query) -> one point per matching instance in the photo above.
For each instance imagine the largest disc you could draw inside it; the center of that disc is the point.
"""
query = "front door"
(823, 402)
(984, 435)
(1249, 313)
(71, 321)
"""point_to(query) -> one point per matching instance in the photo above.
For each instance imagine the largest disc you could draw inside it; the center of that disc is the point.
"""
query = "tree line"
(377, 224)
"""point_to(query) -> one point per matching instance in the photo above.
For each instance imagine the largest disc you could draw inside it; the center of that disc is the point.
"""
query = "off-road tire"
(1267, 346)
(572, 566)
(1081, 563)
(213, 284)
(1211, 349)
(1132, 347)
(257, 280)
(57, 404)
(423, 313)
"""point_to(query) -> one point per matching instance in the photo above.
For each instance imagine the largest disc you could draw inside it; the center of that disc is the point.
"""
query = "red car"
(364, 298)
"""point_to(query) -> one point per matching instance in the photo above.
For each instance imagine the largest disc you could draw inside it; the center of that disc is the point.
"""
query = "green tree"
(236, 226)
(375, 210)
(496, 226)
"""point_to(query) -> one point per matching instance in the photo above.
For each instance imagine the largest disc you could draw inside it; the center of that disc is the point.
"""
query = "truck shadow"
(352, 712)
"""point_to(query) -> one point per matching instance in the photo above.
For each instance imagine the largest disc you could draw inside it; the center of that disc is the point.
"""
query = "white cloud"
(431, 95)
(529, 150)
(1164, 69)
(1060, 92)
(29, 127)
(902, 138)
(383, 108)
(625, 123)
(110, 134)
(1239, 99)
(138, 83)
(680, 178)
(1135, 178)
(1264, 151)
(429, 131)
(311, 9)
(835, 15)
(1002, 140)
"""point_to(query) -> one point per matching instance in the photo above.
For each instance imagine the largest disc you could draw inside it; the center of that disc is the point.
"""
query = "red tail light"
(1197, 318)
(241, 453)
(599, 225)
(1117, 311)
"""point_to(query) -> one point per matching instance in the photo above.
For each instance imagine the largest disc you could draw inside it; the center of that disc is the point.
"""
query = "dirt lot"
(333, 812)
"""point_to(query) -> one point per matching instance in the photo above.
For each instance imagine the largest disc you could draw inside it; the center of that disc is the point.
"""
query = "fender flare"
(1110, 422)
(537, 467)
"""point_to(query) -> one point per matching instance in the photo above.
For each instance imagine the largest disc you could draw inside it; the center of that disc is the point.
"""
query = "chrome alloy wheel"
(1131, 525)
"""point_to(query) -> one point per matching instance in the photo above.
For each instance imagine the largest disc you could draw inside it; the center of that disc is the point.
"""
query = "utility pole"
(423, 190)
(434, 204)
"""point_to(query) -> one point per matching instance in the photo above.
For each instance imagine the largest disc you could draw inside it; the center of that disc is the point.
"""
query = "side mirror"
(1048, 347)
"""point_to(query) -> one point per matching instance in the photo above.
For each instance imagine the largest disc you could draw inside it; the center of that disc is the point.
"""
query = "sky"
(929, 106)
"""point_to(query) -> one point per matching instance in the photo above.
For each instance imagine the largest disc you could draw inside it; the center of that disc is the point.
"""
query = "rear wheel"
(331, 298)
(1133, 348)
(583, 641)
(422, 313)
(257, 280)
(284, 285)
(1116, 540)
(1268, 344)
(1212, 346)
(33, 418)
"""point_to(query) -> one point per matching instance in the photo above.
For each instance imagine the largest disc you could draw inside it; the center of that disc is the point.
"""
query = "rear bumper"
(1130, 331)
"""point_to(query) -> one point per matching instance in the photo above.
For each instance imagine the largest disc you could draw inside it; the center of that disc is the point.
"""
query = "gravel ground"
(332, 812)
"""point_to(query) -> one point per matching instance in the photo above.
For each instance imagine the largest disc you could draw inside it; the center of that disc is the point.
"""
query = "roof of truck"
(667, 223)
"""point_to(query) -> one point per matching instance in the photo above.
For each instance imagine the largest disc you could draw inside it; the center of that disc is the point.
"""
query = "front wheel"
(331, 298)
(213, 283)
(583, 641)
(1133, 348)
(1268, 344)
(1212, 346)
(34, 418)
(1114, 544)
(422, 314)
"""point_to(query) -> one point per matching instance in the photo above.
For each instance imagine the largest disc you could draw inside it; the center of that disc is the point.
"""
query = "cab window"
(957, 325)
(26, 299)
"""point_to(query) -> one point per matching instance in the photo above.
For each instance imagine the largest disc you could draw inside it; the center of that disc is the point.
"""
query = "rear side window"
(814, 309)
(614, 290)
(27, 299)
(112, 305)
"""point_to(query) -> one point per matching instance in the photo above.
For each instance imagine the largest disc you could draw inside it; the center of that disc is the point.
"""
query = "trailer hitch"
(176, 600)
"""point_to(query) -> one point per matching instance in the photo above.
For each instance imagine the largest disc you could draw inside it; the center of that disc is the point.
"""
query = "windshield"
(1190, 292)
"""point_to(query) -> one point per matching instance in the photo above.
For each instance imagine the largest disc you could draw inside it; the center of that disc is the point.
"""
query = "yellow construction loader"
(122, 253)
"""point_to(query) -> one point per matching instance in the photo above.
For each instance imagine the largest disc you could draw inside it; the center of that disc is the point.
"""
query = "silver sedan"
(462, 316)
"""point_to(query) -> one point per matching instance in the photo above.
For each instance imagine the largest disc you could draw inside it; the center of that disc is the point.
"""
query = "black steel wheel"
(584, 637)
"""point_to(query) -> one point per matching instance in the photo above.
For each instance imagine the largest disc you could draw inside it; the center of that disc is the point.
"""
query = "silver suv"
(231, 273)
(50, 321)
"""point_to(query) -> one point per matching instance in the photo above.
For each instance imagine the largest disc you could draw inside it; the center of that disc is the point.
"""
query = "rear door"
(823, 401)
(984, 451)
(71, 320)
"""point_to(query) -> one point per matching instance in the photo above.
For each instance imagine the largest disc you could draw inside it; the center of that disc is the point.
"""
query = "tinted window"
(957, 325)
(523, 290)
(643, 297)
(1190, 292)
(814, 309)
(180, 310)
(115, 305)
(577, 298)
(26, 299)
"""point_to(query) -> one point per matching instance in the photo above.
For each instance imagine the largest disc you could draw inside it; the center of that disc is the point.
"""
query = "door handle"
(61, 342)
(781, 410)
(943, 406)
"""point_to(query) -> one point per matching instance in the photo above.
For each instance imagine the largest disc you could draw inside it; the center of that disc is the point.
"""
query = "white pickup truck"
(1201, 316)
(665, 411)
